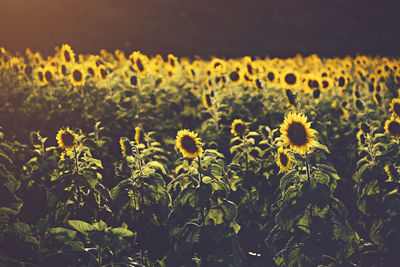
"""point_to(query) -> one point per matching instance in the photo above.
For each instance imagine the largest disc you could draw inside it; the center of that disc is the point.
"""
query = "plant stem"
(308, 171)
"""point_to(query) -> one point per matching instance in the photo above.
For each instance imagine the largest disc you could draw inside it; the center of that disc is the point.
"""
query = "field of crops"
(129, 160)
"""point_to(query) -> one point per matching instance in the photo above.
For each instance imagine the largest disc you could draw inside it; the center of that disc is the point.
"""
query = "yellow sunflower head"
(140, 62)
(67, 55)
(296, 133)
(189, 144)
(395, 107)
(392, 127)
(48, 75)
(283, 160)
(238, 128)
(67, 139)
(77, 75)
(290, 79)
(235, 77)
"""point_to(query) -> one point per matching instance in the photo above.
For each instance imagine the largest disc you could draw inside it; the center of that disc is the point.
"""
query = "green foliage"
(311, 226)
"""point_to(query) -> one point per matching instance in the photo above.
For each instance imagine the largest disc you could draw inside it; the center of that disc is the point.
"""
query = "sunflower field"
(130, 160)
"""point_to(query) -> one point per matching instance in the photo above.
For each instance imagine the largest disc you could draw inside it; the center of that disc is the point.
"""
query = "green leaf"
(81, 226)
(99, 226)
(234, 148)
(22, 228)
(286, 180)
(157, 165)
(62, 233)
(322, 147)
(75, 245)
(321, 177)
(5, 157)
(122, 232)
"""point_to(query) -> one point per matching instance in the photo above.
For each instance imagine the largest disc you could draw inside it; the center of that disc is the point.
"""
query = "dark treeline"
(222, 28)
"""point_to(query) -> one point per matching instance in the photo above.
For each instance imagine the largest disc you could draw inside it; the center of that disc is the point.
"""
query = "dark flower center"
(67, 139)
(48, 76)
(325, 84)
(90, 71)
(188, 144)
(249, 69)
(172, 62)
(290, 78)
(63, 69)
(283, 159)
(28, 70)
(40, 74)
(297, 134)
(103, 73)
(240, 129)
(394, 128)
(271, 76)
(67, 56)
(234, 76)
(77, 75)
(139, 64)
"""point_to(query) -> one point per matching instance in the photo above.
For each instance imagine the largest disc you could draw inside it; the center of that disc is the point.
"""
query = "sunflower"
(140, 62)
(392, 127)
(102, 72)
(235, 77)
(77, 76)
(290, 79)
(391, 172)
(395, 106)
(67, 55)
(326, 83)
(67, 139)
(296, 132)
(189, 144)
(218, 66)
(238, 128)
(173, 61)
(48, 75)
(91, 69)
(249, 67)
(283, 160)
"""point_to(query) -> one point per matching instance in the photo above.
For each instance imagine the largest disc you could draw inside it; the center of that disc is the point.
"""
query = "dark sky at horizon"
(224, 28)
